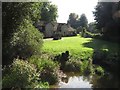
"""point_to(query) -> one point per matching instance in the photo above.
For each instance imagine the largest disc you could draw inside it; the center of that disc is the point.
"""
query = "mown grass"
(78, 47)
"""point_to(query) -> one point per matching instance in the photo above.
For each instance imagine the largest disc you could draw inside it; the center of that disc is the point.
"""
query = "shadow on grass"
(97, 44)
(105, 54)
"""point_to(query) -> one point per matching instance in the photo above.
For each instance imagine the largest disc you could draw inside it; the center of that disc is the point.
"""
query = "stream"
(75, 80)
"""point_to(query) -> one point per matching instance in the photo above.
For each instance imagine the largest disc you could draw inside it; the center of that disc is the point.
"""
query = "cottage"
(51, 28)
(67, 30)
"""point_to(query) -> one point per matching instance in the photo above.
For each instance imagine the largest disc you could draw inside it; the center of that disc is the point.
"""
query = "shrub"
(19, 16)
(99, 70)
(44, 64)
(88, 34)
(48, 69)
(87, 67)
(57, 36)
(62, 58)
(72, 66)
(26, 41)
(22, 75)
(50, 77)
(113, 60)
(99, 56)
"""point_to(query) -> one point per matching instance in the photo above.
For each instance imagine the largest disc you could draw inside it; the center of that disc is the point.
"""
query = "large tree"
(73, 17)
(48, 12)
(107, 19)
(19, 36)
(13, 14)
(83, 22)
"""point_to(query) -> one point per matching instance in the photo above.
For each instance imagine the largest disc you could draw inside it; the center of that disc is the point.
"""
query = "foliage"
(86, 67)
(15, 23)
(77, 22)
(57, 36)
(108, 60)
(92, 27)
(43, 63)
(79, 29)
(48, 69)
(48, 12)
(12, 15)
(99, 70)
(99, 56)
(73, 17)
(22, 74)
(83, 22)
(50, 77)
(27, 41)
(107, 20)
(72, 66)
(62, 59)
(86, 34)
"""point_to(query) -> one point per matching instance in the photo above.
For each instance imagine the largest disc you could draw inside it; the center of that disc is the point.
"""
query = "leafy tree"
(13, 13)
(103, 14)
(17, 20)
(73, 17)
(48, 12)
(107, 19)
(76, 22)
(92, 27)
(26, 41)
(83, 22)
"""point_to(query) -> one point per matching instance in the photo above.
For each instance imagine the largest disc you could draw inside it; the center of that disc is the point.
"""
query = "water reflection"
(75, 82)
(91, 82)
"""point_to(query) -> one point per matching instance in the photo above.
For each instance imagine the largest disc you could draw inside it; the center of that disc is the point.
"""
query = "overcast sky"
(65, 7)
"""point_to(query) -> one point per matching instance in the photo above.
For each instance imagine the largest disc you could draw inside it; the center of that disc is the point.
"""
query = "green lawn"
(77, 46)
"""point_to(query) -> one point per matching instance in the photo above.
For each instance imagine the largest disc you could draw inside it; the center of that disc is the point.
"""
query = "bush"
(26, 41)
(19, 16)
(99, 70)
(72, 66)
(99, 56)
(48, 69)
(87, 67)
(88, 34)
(62, 59)
(57, 36)
(22, 74)
(50, 77)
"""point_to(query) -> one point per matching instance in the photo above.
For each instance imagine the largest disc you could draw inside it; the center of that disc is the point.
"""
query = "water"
(75, 82)
(80, 81)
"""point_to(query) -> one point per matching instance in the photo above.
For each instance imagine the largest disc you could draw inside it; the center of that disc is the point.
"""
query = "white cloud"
(65, 7)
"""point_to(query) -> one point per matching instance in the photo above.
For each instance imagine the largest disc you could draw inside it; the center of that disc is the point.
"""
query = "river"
(75, 80)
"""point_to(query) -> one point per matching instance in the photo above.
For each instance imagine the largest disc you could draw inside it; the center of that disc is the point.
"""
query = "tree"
(73, 17)
(83, 22)
(92, 27)
(17, 21)
(12, 15)
(76, 22)
(48, 12)
(107, 19)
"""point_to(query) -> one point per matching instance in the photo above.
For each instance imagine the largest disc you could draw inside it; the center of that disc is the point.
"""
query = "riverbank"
(81, 50)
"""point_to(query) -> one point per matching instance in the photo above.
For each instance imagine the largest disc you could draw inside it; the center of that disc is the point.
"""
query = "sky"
(65, 7)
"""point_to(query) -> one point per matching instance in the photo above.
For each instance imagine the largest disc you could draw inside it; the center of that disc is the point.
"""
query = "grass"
(78, 47)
